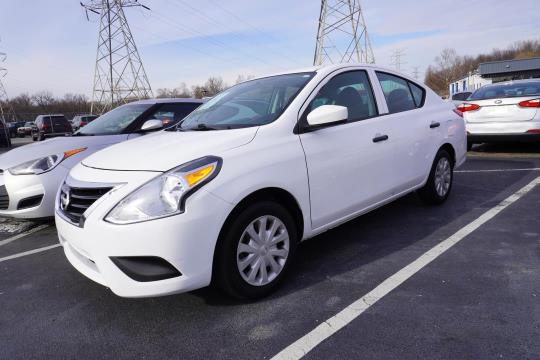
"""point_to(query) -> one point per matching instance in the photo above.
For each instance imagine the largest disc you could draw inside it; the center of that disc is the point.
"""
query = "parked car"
(227, 194)
(503, 112)
(30, 175)
(13, 126)
(25, 130)
(461, 97)
(49, 126)
(81, 120)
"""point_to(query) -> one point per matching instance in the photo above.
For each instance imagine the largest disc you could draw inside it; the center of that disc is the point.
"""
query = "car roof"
(327, 69)
(168, 100)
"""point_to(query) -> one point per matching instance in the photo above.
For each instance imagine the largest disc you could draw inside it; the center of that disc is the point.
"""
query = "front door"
(349, 165)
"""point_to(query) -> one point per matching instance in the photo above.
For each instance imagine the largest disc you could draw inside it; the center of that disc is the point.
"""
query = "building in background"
(471, 82)
(498, 71)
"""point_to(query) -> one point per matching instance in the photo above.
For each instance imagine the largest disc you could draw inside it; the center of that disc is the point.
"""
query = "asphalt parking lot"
(480, 299)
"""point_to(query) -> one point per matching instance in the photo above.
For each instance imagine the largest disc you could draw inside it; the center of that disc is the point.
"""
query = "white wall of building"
(470, 83)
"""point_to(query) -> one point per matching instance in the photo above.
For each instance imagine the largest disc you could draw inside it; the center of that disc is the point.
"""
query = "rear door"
(417, 131)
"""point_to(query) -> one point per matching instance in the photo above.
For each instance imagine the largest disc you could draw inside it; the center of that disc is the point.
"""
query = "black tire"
(40, 138)
(226, 274)
(469, 146)
(429, 193)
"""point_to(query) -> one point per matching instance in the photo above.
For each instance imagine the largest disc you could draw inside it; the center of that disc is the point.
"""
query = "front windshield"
(115, 121)
(523, 89)
(253, 103)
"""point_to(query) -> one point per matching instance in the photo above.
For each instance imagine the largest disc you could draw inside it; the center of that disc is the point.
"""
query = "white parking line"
(496, 170)
(29, 252)
(23, 234)
(322, 332)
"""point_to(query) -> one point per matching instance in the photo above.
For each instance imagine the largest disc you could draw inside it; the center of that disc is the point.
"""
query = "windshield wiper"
(82, 134)
(203, 127)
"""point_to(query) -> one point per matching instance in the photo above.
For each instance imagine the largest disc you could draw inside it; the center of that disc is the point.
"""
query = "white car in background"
(227, 195)
(500, 112)
(30, 175)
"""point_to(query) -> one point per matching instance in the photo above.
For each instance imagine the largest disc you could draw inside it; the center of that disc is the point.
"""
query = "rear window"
(57, 120)
(461, 96)
(524, 89)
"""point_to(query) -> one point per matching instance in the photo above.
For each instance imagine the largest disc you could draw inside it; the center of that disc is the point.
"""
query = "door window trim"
(303, 127)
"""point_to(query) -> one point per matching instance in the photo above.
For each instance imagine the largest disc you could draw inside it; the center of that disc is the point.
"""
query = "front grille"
(74, 201)
(4, 198)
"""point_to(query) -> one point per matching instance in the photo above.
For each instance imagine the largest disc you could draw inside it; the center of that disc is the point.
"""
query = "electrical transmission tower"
(6, 110)
(342, 35)
(119, 73)
(397, 59)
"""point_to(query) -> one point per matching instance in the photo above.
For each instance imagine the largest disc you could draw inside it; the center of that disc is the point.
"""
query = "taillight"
(534, 103)
(468, 107)
(535, 131)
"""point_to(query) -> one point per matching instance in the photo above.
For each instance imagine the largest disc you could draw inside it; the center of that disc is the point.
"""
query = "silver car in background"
(30, 175)
(508, 111)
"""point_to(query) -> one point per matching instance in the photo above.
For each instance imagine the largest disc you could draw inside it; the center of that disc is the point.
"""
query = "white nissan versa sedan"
(226, 195)
(30, 175)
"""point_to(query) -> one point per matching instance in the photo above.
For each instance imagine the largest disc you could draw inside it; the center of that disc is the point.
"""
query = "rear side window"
(351, 89)
(400, 94)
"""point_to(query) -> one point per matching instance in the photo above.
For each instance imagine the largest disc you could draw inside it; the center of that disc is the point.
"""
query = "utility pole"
(119, 73)
(416, 72)
(396, 59)
(6, 110)
(342, 36)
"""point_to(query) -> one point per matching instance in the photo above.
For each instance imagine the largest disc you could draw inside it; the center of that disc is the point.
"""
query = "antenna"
(119, 73)
(342, 36)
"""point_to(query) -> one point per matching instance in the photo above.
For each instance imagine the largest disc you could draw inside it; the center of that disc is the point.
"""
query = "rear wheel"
(255, 251)
(439, 183)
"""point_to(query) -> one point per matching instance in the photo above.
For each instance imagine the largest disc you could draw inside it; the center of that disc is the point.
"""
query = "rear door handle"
(380, 138)
(434, 125)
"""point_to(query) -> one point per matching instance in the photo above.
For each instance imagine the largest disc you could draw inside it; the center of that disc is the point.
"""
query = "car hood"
(53, 146)
(168, 149)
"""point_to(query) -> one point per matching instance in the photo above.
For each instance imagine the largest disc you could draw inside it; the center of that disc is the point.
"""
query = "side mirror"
(327, 114)
(152, 124)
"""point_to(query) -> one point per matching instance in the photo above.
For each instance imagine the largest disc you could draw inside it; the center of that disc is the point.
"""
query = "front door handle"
(380, 138)
(434, 125)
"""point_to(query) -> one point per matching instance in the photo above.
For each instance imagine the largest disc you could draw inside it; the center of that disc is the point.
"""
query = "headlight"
(165, 195)
(44, 164)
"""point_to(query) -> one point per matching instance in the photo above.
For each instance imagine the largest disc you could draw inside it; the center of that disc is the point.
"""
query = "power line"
(342, 35)
(261, 32)
(119, 73)
(222, 24)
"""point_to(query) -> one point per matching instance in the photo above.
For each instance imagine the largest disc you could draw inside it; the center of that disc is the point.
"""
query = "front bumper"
(186, 241)
(24, 187)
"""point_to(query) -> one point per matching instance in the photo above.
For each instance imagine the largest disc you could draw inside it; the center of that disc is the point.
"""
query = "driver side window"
(351, 89)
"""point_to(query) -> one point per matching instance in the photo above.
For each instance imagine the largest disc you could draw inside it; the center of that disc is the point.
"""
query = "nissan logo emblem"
(64, 199)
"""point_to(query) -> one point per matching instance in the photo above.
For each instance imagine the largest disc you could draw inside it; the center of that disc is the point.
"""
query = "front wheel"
(439, 183)
(255, 251)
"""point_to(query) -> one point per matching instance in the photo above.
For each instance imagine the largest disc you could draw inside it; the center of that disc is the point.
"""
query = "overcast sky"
(51, 45)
